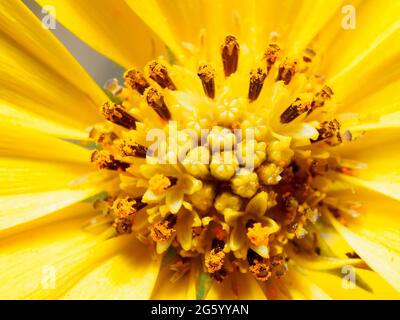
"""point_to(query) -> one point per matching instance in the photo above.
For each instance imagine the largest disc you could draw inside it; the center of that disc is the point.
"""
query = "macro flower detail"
(238, 156)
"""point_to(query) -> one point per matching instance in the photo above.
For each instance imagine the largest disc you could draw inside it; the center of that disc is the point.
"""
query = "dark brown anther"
(117, 114)
(129, 148)
(103, 159)
(219, 275)
(230, 55)
(329, 131)
(159, 74)
(250, 223)
(271, 55)
(218, 245)
(257, 78)
(297, 108)
(207, 74)
(286, 71)
(309, 54)
(139, 204)
(135, 80)
(156, 101)
(320, 98)
(172, 180)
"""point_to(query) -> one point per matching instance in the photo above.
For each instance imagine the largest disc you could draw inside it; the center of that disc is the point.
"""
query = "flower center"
(240, 163)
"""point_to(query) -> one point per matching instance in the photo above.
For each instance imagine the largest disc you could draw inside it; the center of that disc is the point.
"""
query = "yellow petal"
(308, 19)
(337, 288)
(111, 28)
(130, 274)
(181, 289)
(153, 15)
(24, 118)
(248, 287)
(361, 62)
(28, 176)
(386, 98)
(376, 249)
(379, 151)
(241, 286)
(45, 262)
(39, 76)
(22, 208)
(300, 287)
(388, 185)
(20, 142)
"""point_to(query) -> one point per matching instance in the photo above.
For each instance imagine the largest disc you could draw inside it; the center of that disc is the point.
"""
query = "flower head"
(247, 159)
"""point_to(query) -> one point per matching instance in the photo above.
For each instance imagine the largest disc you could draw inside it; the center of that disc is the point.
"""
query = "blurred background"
(99, 67)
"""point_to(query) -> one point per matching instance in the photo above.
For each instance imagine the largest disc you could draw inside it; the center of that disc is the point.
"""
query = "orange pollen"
(258, 235)
(215, 261)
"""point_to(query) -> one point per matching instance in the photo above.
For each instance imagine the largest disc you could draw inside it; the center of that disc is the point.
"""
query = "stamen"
(206, 74)
(156, 101)
(230, 55)
(329, 130)
(124, 210)
(118, 115)
(129, 148)
(103, 159)
(214, 262)
(297, 108)
(159, 74)
(164, 230)
(103, 136)
(257, 78)
(286, 71)
(136, 80)
(320, 98)
(309, 54)
(258, 266)
(271, 55)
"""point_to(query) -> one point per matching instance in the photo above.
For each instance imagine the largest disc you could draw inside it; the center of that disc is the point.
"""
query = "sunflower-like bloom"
(278, 176)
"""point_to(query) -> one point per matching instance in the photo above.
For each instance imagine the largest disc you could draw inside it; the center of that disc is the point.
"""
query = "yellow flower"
(278, 177)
